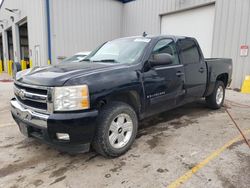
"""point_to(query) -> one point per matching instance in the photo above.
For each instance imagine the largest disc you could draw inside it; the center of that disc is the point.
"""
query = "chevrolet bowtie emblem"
(21, 94)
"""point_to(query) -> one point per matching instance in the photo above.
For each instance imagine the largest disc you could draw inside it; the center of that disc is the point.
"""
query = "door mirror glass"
(161, 59)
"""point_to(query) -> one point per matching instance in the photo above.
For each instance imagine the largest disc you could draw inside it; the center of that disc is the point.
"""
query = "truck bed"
(218, 66)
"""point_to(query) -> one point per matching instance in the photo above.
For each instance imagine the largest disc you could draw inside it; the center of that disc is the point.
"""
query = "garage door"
(198, 23)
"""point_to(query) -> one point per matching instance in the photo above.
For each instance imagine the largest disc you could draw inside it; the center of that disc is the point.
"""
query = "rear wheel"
(216, 99)
(116, 129)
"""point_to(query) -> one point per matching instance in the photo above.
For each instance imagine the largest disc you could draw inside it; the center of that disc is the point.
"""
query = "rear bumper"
(80, 126)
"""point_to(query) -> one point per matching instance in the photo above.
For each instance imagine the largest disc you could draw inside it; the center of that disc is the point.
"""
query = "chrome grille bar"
(32, 108)
(31, 86)
(25, 95)
(36, 98)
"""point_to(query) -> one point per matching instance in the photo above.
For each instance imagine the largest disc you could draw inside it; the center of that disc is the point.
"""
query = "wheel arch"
(224, 78)
(130, 97)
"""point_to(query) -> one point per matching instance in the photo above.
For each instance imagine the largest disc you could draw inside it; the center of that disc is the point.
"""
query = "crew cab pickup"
(98, 102)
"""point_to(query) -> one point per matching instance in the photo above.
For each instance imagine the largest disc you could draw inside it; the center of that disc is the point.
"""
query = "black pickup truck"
(99, 101)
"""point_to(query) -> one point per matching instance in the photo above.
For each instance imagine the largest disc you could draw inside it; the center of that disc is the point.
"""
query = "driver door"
(163, 84)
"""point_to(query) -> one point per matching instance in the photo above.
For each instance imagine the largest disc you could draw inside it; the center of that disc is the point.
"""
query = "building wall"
(79, 25)
(144, 15)
(34, 12)
(232, 29)
(76, 25)
(231, 26)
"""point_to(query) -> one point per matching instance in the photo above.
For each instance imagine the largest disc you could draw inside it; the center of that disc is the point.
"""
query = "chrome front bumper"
(27, 115)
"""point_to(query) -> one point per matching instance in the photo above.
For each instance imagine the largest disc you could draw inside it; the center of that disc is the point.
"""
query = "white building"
(43, 30)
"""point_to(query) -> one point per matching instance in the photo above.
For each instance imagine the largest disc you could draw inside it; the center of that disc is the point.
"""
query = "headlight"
(71, 98)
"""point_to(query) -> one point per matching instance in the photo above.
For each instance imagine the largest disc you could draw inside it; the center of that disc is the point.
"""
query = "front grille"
(34, 97)
(32, 89)
(33, 104)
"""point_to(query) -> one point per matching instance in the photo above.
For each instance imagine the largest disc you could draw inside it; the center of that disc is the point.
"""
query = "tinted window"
(166, 46)
(188, 51)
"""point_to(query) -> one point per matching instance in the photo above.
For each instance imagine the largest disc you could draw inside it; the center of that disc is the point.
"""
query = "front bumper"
(80, 126)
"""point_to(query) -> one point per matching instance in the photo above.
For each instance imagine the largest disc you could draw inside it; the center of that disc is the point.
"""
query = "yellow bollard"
(30, 63)
(49, 62)
(8, 67)
(1, 66)
(23, 65)
(246, 85)
(11, 63)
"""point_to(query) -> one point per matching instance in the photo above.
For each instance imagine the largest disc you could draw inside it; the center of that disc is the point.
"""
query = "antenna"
(144, 34)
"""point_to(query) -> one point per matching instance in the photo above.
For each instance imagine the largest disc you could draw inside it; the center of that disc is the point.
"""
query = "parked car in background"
(76, 58)
(99, 101)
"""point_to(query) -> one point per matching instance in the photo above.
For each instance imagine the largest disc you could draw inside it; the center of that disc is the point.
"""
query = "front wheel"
(216, 99)
(116, 129)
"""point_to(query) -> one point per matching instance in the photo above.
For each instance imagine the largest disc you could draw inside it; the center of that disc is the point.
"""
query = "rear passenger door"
(194, 67)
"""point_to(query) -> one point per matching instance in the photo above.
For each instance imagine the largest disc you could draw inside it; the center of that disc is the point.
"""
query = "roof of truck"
(157, 37)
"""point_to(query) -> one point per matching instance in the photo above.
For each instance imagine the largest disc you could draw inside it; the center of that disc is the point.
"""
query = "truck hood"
(57, 75)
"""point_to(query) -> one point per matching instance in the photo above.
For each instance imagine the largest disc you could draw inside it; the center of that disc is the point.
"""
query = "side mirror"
(161, 59)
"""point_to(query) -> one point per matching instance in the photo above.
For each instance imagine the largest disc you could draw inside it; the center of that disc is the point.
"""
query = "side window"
(166, 46)
(189, 52)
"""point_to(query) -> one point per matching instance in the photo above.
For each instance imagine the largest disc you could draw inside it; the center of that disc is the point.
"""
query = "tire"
(107, 140)
(216, 99)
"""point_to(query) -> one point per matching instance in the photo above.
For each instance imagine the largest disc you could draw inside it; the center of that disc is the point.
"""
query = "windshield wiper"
(85, 60)
(106, 60)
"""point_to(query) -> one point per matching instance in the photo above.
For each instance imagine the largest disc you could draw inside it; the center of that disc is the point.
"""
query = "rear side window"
(166, 46)
(189, 52)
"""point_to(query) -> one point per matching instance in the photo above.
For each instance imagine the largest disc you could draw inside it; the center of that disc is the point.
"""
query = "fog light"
(62, 136)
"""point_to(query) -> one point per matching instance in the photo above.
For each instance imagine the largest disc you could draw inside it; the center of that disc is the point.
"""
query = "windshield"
(125, 50)
(74, 58)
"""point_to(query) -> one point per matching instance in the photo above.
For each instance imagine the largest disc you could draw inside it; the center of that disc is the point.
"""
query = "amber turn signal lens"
(85, 103)
(85, 91)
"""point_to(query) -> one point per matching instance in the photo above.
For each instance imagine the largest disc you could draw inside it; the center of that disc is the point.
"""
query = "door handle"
(179, 74)
(201, 70)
